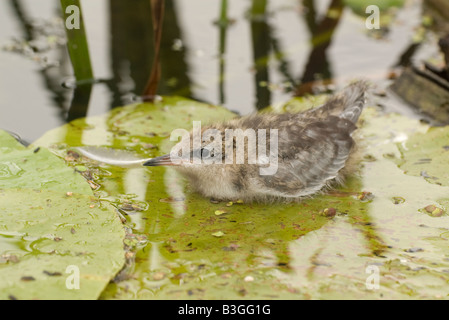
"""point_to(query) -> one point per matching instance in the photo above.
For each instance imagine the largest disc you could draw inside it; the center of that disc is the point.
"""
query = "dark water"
(262, 53)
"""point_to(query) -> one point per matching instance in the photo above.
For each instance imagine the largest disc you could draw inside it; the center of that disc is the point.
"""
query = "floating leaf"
(36, 226)
(23, 168)
(426, 155)
(219, 212)
(49, 221)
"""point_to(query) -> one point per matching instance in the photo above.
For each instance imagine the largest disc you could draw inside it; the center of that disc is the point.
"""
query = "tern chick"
(312, 151)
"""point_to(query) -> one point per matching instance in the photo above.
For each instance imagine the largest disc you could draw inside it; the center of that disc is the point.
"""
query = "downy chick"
(308, 154)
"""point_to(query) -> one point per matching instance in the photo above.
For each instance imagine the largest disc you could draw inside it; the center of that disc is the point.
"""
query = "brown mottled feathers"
(314, 147)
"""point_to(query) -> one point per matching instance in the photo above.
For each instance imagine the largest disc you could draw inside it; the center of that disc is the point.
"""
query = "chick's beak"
(160, 161)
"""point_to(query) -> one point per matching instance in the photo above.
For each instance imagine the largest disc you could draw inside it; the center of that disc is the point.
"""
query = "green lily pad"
(36, 168)
(9, 143)
(160, 118)
(131, 125)
(50, 223)
(427, 155)
(46, 235)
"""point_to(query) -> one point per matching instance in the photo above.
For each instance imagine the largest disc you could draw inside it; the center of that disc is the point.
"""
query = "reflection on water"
(265, 51)
(175, 185)
(321, 33)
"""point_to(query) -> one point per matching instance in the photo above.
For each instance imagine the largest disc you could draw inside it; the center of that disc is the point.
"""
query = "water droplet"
(9, 169)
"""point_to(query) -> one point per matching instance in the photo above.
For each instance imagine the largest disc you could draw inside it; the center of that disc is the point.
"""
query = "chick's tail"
(346, 104)
(353, 101)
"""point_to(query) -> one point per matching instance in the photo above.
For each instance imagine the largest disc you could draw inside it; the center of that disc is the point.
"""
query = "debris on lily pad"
(133, 206)
(220, 212)
(71, 156)
(398, 200)
(80, 168)
(434, 211)
(329, 212)
(218, 234)
(365, 196)
(414, 249)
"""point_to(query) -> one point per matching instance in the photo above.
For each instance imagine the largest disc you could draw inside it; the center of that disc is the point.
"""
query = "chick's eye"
(205, 153)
